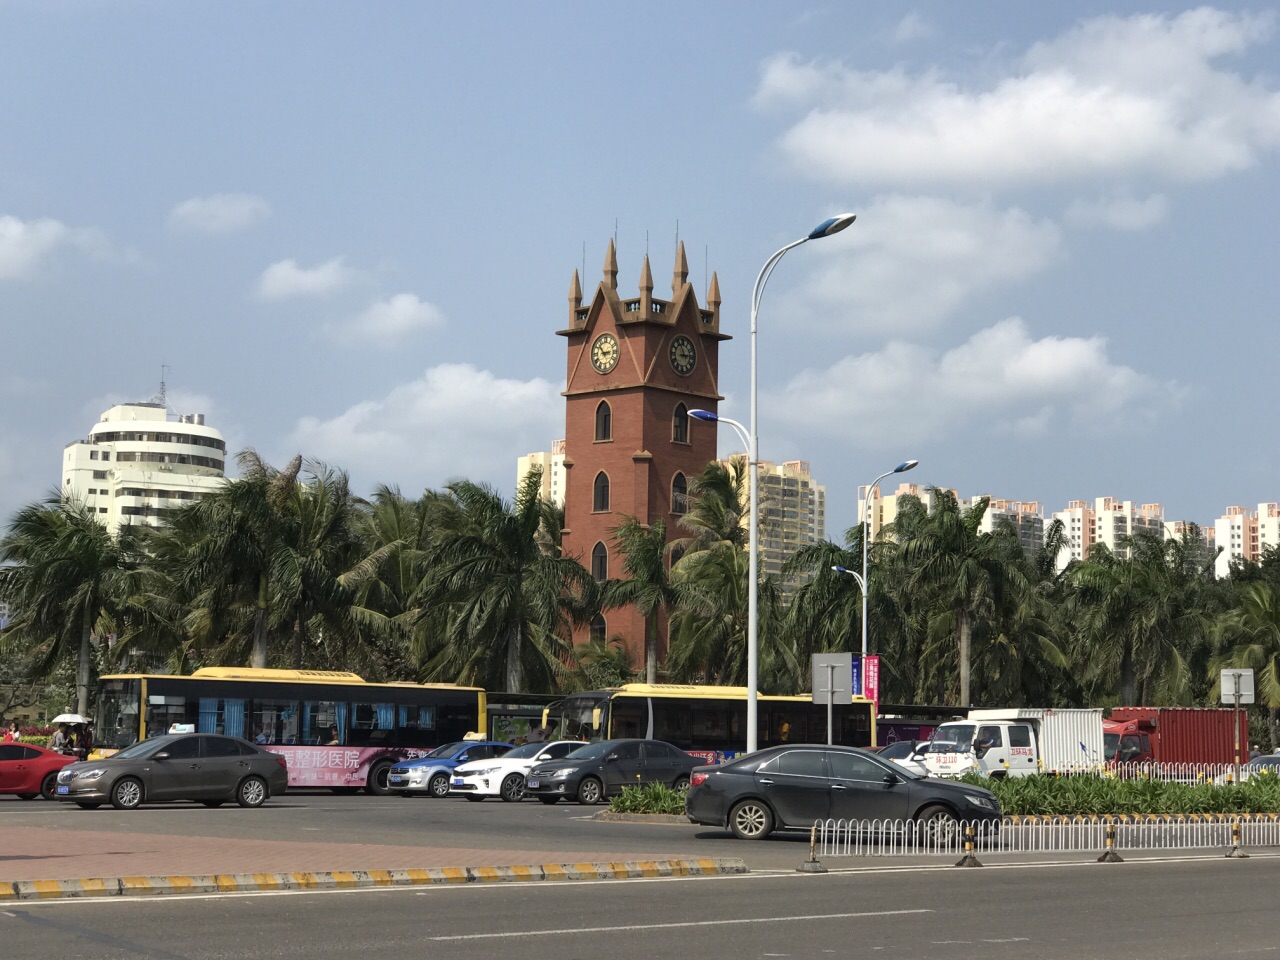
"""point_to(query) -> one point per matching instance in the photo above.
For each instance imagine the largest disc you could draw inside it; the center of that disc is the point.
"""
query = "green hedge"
(652, 798)
(35, 740)
(1068, 796)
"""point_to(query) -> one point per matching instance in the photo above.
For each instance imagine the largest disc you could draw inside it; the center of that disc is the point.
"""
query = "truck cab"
(992, 749)
(1126, 742)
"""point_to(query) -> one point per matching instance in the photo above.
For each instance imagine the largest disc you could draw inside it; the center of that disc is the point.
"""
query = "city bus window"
(629, 719)
(371, 723)
(672, 722)
(318, 716)
(274, 721)
(215, 716)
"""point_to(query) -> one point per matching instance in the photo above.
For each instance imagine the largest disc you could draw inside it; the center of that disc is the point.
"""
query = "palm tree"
(64, 573)
(648, 586)
(966, 575)
(1250, 635)
(506, 600)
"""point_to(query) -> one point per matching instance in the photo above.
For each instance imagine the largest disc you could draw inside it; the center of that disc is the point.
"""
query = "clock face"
(604, 352)
(683, 355)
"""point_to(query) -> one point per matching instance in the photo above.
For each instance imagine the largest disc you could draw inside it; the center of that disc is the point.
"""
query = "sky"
(349, 230)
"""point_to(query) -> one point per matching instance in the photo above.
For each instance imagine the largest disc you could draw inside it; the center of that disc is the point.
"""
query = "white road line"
(675, 926)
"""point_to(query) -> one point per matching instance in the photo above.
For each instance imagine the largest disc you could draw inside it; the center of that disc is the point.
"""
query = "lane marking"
(675, 926)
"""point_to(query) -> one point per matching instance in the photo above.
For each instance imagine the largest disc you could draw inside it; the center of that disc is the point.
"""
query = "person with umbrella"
(61, 742)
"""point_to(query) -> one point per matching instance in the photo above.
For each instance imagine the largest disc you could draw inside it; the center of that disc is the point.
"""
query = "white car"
(504, 776)
(909, 754)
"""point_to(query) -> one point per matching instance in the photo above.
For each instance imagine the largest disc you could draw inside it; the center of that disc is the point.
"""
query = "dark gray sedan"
(792, 786)
(198, 766)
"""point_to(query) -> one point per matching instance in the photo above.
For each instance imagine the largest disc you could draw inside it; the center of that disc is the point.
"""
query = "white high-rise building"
(138, 460)
(1245, 535)
(1106, 521)
(793, 513)
(551, 463)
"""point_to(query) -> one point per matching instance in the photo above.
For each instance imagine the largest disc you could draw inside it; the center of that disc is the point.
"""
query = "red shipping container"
(1188, 734)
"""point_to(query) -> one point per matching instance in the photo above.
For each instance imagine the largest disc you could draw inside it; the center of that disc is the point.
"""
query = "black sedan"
(205, 767)
(792, 786)
(600, 770)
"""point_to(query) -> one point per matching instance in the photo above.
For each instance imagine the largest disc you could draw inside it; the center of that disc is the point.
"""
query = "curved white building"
(138, 460)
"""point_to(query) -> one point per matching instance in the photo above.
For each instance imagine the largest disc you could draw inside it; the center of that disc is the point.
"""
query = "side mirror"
(611, 758)
(463, 759)
(980, 750)
(160, 755)
(891, 778)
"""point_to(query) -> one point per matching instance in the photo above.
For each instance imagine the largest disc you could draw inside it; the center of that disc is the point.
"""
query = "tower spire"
(713, 296)
(611, 267)
(646, 288)
(681, 275)
(575, 292)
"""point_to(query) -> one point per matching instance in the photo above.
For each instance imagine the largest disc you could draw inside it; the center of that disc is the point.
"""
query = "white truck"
(1017, 742)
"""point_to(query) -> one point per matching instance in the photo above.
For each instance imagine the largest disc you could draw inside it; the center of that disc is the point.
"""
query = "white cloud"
(286, 279)
(912, 27)
(387, 322)
(219, 213)
(1114, 96)
(998, 381)
(908, 262)
(1121, 213)
(25, 244)
(454, 421)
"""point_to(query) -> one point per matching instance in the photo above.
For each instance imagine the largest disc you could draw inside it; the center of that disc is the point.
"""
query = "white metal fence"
(887, 838)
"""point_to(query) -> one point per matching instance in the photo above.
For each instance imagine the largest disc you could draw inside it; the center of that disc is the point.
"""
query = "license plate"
(533, 783)
(394, 779)
(63, 788)
(458, 781)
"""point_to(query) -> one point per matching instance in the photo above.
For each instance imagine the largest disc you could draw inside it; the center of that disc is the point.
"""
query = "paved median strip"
(363, 879)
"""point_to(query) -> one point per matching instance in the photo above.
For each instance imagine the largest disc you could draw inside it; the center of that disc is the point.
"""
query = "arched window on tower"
(599, 629)
(680, 424)
(604, 421)
(600, 562)
(600, 500)
(679, 495)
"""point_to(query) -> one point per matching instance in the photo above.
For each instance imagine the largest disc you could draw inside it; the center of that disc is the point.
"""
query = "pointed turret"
(646, 288)
(681, 275)
(611, 267)
(575, 292)
(713, 293)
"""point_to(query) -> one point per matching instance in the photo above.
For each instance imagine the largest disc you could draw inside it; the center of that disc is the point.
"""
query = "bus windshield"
(117, 722)
(576, 714)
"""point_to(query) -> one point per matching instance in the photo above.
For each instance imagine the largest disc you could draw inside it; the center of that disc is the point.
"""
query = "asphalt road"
(1158, 910)
(491, 825)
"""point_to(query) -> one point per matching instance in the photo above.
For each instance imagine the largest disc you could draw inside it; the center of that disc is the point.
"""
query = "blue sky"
(349, 231)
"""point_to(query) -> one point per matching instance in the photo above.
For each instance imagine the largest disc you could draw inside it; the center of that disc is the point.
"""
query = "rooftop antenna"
(162, 397)
(706, 265)
(646, 243)
(584, 260)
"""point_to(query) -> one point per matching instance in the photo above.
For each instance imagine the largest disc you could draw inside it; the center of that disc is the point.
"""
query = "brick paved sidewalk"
(37, 853)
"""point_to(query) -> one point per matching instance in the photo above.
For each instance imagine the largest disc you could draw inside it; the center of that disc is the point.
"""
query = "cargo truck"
(1174, 735)
(1017, 742)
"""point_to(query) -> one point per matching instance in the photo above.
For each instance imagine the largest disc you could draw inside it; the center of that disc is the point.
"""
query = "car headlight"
(563, 772)
(480, 772)
(978, 801)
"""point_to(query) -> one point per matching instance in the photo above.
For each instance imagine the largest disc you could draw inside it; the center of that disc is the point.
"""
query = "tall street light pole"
(826, 228)
(866, 543)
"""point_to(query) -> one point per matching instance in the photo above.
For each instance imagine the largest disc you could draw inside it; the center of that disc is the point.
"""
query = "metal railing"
(888, 838)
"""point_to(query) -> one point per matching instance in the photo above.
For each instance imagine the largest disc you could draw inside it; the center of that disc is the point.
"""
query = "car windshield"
(525, 751)
(447, 750)
(143, 748)
(959, 735)
(594, 751)
(898, 751)
(941, 746)
(1110, 744)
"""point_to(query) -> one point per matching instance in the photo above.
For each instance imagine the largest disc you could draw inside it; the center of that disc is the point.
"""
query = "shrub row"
(1066, 796)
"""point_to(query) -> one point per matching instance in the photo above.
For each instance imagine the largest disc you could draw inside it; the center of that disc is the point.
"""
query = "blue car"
(430, 774)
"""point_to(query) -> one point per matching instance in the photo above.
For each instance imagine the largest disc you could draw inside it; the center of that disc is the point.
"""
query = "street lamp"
(826, 228)
(866, 538)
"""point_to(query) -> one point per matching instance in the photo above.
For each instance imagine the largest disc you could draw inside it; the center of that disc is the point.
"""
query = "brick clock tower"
(636, 369)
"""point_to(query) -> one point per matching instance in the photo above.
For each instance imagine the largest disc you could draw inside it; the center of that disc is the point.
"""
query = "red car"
(30, 771)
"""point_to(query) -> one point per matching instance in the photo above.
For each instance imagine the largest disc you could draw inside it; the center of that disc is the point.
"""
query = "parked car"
(792, 786)
(431, 774)
(206, 767)
(1267, 765)
(599, 770)
(504, 776)
(30, 771)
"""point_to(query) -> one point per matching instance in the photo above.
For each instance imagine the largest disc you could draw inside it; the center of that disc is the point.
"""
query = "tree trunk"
(82, 668)
(963, 630)
(299, 643)
(515, 663)
(651, 650)
(1128, 679)
(259, 656)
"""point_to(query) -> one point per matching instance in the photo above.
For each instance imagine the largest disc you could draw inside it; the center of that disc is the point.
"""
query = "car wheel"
(377, 783)
(548, 800)
(27, 796)
(681, 784)
(49, 786)
(936, 825)
(590, 791)
(213, 803)
(252, 792)
(87, 806)
(512, 788)
(751, 820)
(126, 794)
(438, 785)
(474, 797)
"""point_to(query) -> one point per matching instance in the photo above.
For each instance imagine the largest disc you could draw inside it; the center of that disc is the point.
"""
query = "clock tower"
(636, 369)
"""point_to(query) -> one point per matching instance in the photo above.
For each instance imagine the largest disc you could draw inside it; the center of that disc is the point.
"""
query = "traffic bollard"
(969, 859)
(1236, 853)
(812, 865)
(1110, 856)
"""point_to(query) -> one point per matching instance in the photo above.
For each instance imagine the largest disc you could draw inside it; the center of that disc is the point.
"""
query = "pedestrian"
(61, 742)
(11, 732)
(1254, 752)
(84, 741)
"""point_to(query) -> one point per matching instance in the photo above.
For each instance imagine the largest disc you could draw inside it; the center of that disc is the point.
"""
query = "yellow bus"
(333, 728)
(706, 721)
